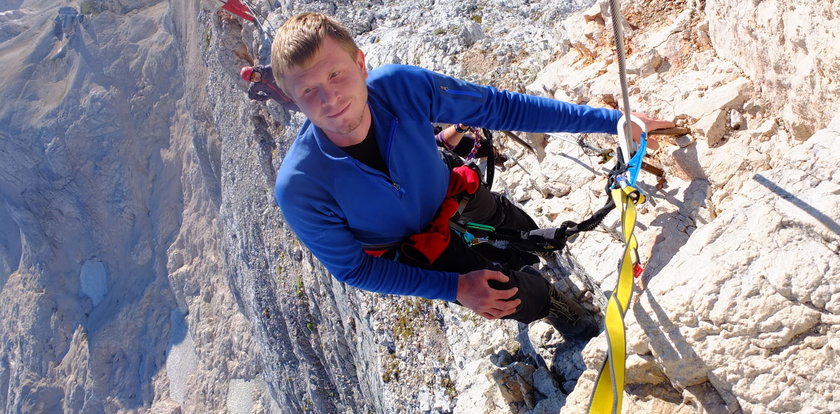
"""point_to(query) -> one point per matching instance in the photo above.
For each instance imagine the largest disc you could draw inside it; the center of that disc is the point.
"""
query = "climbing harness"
(521, 243)
(427, 246)
(609, 388)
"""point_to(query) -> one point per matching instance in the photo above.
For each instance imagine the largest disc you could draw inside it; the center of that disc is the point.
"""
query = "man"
(363, 183)
(263, 86)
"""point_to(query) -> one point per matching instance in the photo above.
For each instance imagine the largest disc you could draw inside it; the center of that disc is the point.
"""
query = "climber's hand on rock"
(474, 292)
(651, 124)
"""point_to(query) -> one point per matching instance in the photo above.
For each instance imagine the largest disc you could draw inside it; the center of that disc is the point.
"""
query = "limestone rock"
(797, 63)
(755, 322)
(145, 267)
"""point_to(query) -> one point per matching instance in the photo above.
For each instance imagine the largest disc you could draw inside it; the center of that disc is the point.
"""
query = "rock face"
(114, 293)
(758, 324)
(764, 308)
(144, 266)
(789, 49)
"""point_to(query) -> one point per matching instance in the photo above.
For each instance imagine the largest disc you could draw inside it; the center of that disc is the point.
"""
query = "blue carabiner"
(635, 163)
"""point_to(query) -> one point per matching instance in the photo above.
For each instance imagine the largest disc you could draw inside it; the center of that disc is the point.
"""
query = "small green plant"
(439, 31)
(403, 328)
(301, 293)
(391, 370)
(447, 384)
(407, 317)
(476, 18)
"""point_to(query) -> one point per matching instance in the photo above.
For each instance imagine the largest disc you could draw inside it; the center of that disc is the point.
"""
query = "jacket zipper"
(388, 155)
(370, 170)
(373, 171)
(460, 92)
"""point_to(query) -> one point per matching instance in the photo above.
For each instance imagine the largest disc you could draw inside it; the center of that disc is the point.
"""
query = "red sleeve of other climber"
(239, 9)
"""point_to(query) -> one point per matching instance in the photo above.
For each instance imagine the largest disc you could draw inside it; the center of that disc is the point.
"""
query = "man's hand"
(475, 293)
(651, 124)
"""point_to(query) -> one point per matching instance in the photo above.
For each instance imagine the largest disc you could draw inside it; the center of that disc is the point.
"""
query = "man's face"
(330, 90)
(256, 76)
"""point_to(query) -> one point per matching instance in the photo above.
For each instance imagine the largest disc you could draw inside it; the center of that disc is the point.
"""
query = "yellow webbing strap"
(609, 388)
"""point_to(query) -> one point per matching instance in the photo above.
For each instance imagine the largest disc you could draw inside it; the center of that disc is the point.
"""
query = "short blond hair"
(297, 40)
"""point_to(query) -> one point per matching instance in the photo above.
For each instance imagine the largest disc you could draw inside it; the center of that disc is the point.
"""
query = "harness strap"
(379, 250)
(545, 240)
(593, 221)
(491, 159)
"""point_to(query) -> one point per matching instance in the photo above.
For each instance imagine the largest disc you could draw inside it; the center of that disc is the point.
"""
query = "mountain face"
(144, 266)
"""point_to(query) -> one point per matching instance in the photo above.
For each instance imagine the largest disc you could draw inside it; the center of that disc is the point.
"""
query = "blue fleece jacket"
(336, 204)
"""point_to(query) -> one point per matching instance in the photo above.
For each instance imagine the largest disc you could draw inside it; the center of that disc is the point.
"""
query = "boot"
(570, 318)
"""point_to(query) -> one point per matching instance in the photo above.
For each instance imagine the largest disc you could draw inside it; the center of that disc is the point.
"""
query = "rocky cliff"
(144, 266)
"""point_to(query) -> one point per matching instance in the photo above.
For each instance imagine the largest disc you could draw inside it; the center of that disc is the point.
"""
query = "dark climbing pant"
(494, 210)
